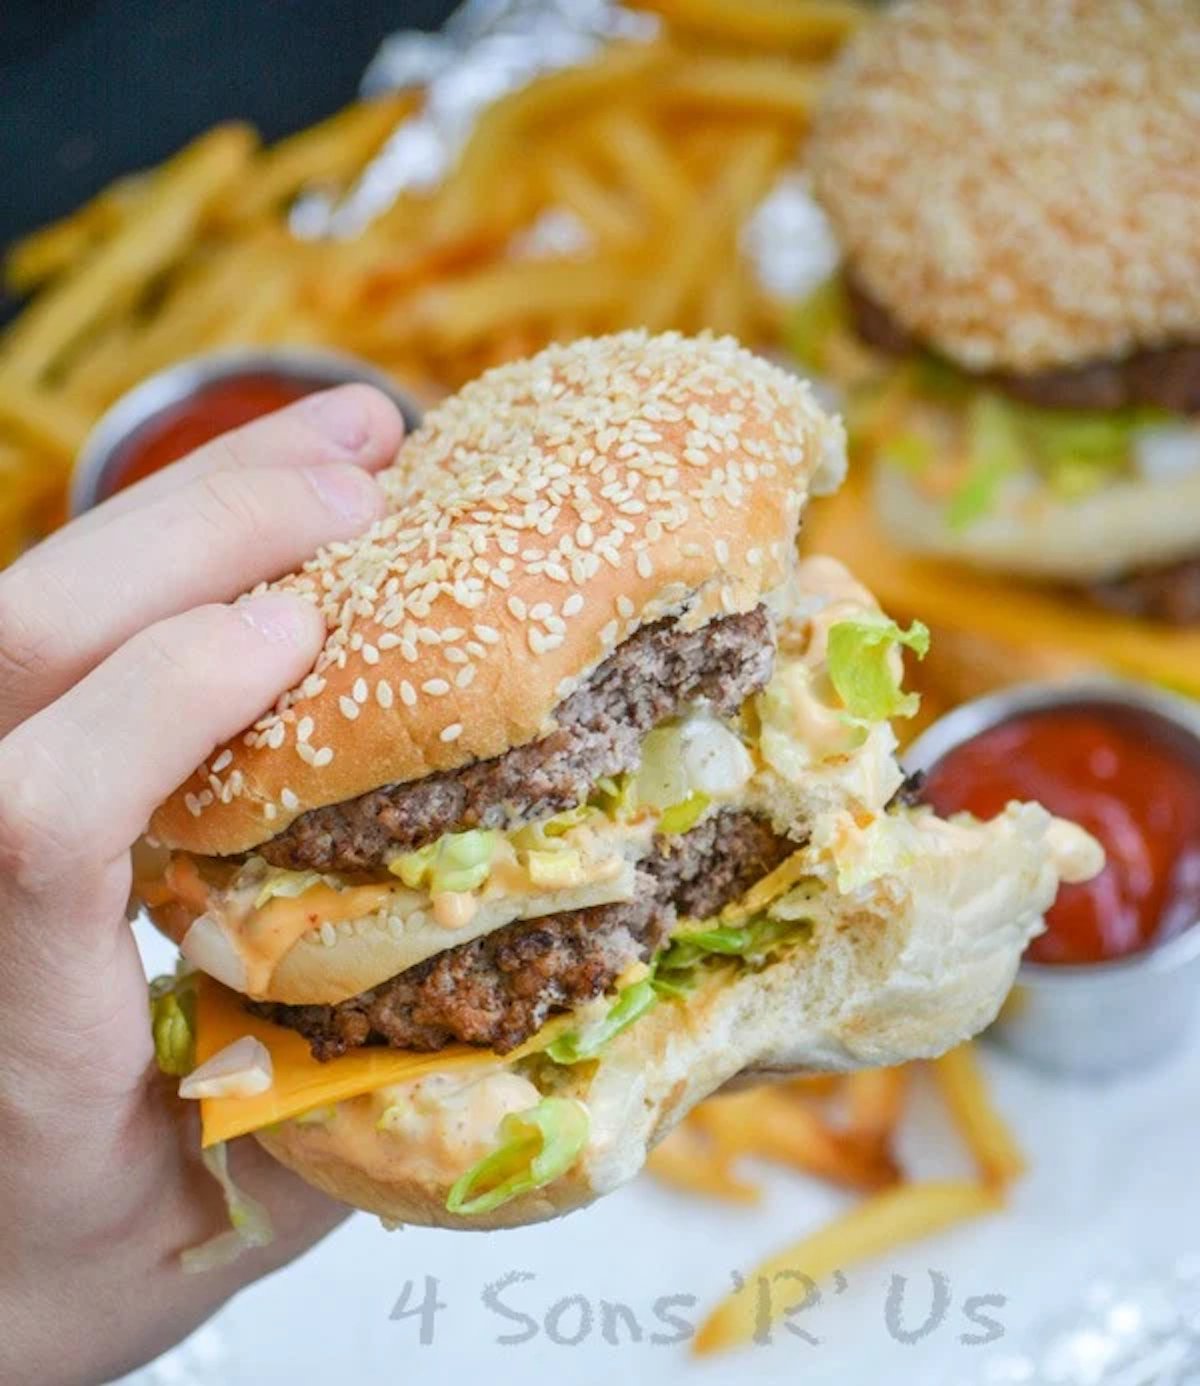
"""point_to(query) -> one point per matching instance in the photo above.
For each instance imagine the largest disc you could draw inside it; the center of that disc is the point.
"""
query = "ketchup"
(214, 409)
(1125, 778)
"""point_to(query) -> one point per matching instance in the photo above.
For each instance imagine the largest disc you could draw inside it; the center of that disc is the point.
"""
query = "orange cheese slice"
(301, 1082)
(986, 604)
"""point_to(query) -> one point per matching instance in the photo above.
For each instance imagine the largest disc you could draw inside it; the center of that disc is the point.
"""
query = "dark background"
(90, 89)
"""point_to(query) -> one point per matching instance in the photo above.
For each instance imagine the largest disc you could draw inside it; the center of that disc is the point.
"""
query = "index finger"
(351, 423)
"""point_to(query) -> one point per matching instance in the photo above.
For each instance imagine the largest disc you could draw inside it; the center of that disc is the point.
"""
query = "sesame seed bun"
(902, 973)
(1019, 185)
(537, 519)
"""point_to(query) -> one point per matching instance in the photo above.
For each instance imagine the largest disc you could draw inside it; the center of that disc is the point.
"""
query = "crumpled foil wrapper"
(1130, 1326)
(490, 47)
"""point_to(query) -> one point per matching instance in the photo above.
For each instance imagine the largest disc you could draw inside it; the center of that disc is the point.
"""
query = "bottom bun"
(923, 965)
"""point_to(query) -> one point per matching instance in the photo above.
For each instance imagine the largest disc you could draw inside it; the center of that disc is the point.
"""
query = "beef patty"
(1169, 593)
(499, 989)
(1163, 377)
(652, 676)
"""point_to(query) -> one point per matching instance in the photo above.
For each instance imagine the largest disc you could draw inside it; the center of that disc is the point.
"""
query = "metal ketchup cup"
(1092, 1020)
(103, 452)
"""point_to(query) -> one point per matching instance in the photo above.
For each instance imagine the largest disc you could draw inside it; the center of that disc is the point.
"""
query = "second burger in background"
(1016, 191)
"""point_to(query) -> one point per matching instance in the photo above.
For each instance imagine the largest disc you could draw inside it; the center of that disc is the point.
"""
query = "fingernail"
(281, 619)
(348, 491)
(341, 416)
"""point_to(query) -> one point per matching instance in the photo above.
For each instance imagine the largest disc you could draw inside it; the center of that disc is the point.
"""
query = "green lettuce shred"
(173, 1024)
(456, 862)
(994, 451)
(861, 671)
(250, 1223)
(677, 968)
(577, 1046)
(683, 817)
(535, 1147)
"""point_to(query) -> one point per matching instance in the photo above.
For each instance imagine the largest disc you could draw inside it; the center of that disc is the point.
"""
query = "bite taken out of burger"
(1016, 192)
(589, 805)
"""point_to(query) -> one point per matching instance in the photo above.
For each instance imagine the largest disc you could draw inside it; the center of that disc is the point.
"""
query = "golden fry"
(875, 1102)
(54, 248)
(876, 1226)
(465, 310)
(332, 152)
(496, 149)
(808, 26)
(604, 212)
(747, 86)
(696, 254)
(767, 1123)
(112, 277)
(964, 1090)
(46, 421)
(646, 163)
(685, 1163)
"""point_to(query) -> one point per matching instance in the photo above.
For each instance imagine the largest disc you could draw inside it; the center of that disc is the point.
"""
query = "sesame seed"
(435, 687)
(518, 608)
(573, 605)
(408, 694)
(488, 634)
(223, 761)
(464, 677)
(452, 732)
(383, 693)
(304, 729)
(348, 708)
(288, 799)
(323, 757)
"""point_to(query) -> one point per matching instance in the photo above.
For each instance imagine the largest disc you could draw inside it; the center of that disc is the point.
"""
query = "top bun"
(1019, 184)
(537, 518)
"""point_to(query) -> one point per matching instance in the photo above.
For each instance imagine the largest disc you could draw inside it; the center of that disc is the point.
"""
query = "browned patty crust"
(501, 988)
(651, 676)
(1164, 378)
(1170, 593)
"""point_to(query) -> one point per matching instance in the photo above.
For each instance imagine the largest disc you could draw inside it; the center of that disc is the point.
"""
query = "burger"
(589, 806)
(1016, 193)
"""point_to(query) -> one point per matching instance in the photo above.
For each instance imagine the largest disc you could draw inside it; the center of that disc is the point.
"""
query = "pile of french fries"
(842, 1130)
(657, 152)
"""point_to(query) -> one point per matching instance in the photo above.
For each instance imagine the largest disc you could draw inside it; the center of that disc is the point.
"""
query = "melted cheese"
(1013, 613)
(302, 1082)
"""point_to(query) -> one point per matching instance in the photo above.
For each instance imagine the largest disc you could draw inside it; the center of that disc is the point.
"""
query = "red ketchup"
(214, 409)
(1125, 778)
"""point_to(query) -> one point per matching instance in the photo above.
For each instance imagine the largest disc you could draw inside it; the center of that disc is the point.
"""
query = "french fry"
(491, 153)
(764, 1122)
(696, 253)
(112, 277)
(875, 1103)
(630, 145)
(605, 213)
(333, 151)
(744, 86)
(468, 309)
(807, 26)
(873, 1228)
(685, 1163)
(963, 1088)
(54, 248)
(45, 421)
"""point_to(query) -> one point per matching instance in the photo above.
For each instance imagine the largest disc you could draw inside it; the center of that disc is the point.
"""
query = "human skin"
(123, 664)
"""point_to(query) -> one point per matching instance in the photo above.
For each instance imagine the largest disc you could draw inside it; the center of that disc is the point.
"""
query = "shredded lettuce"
(173, 1023)
(613, 795)
(815, 320)
(535, 1147)
(250, 1223)
(578, 1045)
(994, 451)
(861, 671)
(683, 817)
(753, 943)
(456, 862)
(285, 884)
(909, 452)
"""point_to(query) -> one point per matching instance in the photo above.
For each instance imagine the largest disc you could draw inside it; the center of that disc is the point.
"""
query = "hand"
(121, 667)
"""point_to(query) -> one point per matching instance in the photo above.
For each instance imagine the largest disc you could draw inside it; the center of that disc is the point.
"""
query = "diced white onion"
(714, 759)
(241, 1069)
(1165, 452)
(206, 945)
